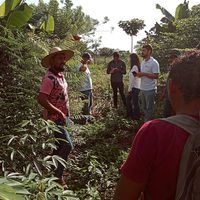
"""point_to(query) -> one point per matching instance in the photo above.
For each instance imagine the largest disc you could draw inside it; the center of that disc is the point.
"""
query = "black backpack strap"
(53, 79)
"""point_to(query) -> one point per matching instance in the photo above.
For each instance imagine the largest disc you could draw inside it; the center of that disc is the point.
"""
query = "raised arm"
(108, 68)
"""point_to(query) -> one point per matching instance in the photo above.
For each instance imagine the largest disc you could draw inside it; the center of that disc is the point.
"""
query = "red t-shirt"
(55, 86)
(154, 159)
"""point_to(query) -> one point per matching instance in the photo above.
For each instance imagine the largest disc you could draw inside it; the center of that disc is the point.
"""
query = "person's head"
(173, 55)
(172, 58)
(184, 83)
(116, 56)
(134, 60)
(87, 58)
(56, 59)
(146, 51)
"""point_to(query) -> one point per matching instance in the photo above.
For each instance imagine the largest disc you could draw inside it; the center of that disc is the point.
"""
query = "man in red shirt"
(53, 97)
(153, 163)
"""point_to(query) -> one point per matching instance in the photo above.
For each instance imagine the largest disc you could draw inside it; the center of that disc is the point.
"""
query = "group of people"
(142, 79)
(164, 161)
(158, 165)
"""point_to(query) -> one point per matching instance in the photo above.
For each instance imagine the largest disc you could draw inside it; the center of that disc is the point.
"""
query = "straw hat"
(55, 51)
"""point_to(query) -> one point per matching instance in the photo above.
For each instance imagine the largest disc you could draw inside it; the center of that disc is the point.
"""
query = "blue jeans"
(87, 109)
(64, 147)
(148, 103)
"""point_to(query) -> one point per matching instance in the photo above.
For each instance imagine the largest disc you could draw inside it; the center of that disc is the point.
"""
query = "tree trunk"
(131, 43)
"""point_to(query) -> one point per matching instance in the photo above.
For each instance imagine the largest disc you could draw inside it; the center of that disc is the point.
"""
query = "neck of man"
(191, 108)
(147, 58)
(54, 71)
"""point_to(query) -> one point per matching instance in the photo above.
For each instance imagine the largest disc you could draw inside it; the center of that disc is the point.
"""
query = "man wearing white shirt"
(149, 74)
(86, 87)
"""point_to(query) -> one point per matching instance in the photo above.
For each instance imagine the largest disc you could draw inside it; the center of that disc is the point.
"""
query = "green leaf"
(12, 155)
(19, 18)
(167, 14)
(182, 11)
(37, 168)
(50, 24)
(11, 5)
(8, 6)
(2, 9)
(8, 193)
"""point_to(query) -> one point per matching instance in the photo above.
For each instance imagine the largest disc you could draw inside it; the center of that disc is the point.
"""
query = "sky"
(124, 10)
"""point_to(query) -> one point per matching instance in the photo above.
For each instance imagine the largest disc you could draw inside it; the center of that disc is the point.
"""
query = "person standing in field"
(53, 97)
(149, 74)
(86, 85)
(133, 107)
(164, 161)
(117, 69)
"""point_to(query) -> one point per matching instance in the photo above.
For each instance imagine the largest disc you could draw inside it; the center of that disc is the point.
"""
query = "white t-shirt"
(134, 81)
(150, 66)
(86, 84)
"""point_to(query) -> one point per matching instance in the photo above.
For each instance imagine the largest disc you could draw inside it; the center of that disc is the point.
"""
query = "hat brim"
(46, 60)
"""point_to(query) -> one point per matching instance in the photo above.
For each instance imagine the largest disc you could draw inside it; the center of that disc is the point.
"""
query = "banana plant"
(182, 12)
(16, 13)
(42, 22)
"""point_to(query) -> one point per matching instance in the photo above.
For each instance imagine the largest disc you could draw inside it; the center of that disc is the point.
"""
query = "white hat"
(54, 51)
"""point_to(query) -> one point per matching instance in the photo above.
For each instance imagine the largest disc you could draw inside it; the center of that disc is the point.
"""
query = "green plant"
(15, 12)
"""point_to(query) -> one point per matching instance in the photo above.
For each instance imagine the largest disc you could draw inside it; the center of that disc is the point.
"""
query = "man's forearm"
(148, 75)
(152, 76)
(47, 105)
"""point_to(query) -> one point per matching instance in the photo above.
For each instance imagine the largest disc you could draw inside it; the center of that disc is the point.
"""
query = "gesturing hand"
(62, 116)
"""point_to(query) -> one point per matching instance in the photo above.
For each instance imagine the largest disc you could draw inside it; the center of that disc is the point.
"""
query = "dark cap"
(87, 55)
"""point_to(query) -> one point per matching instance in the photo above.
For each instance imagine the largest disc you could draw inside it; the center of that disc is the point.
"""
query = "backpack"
(188, 183)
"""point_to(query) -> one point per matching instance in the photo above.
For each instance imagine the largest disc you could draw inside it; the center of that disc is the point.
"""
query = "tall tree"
(132, 28)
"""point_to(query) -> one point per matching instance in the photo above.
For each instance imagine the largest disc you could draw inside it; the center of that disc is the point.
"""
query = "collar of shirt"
(60, 74)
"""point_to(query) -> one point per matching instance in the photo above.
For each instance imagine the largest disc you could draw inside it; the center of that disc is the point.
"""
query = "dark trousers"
(87, 109)
(115, 87)
(133, 108)
(64, 147)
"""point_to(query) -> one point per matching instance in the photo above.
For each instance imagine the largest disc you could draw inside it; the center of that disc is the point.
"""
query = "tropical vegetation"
(27, 32)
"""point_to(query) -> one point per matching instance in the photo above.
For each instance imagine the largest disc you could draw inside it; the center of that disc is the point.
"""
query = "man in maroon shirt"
(53, 97)
(153, 163)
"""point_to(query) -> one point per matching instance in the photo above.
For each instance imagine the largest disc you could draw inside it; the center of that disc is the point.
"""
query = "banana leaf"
(168, 15)
(19, 17)
(8, 6)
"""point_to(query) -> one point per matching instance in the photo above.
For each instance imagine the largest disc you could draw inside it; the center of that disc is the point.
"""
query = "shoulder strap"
(187, 123)
(53, 79)
(191, 126)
